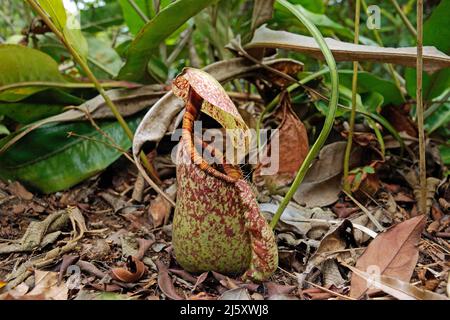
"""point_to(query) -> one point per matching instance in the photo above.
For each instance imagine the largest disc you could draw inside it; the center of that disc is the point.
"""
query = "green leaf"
(311, 5)
(3, 130)
(55, 9)
(439, 118)
(99, 18)
(435, 33)
(368, 82)
(22, 64)
(68, 25)
(154, 33)
(445, 154)
(48, 160)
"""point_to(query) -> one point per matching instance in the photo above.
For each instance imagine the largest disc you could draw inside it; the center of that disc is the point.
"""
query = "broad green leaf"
(55, 9)
(368, 82)
(99, 18)
(68, 25)
(132, 18)
(154, 33)
(22, 64)
(48, 160)
(445, 154)
(439, 118)
(436, 32)
(311, 5)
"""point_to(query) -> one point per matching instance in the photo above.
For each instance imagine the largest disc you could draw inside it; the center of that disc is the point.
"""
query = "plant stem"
(420, 117)
(138, 10)
(348, 148)
(99, 88)
(405, 19)
(329, 120)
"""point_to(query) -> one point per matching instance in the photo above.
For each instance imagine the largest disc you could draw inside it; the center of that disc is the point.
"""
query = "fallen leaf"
(235, 294)
(397, 288)
(46, 284)
(160, 208)
(393, 253)
(291, 135)
(165, 282)
(134, 271)
(15, 188)
(322, 183)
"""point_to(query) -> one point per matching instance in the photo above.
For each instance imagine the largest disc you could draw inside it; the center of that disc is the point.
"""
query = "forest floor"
(76, 245)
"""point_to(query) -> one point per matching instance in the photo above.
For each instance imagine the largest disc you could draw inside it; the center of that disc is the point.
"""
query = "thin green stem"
(66, 85)
(83, 64)
(138, 10)
(404, 18)
(329, 120)
(348, 148)
(420, 116)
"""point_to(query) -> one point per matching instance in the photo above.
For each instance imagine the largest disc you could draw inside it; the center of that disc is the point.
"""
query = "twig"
(420, 116)
(367, 212)
(353, 112)
(138, 10)
(405, 18)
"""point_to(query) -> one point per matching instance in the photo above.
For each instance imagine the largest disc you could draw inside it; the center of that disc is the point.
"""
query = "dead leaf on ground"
(397, 288)
(235, 294)
(134, 271)
(46, 285)
(17, 189)
(291, 136)
(160, 208)
(393, 253)
(322, 183)
(165, 282)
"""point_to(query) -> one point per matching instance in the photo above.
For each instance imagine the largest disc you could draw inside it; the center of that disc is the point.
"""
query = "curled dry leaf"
(160, 208)
(134, 271)
(291, 135)
(393, 253)
(322, 183)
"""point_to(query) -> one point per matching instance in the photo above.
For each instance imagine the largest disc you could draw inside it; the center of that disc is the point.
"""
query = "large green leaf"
(22, 64)
(368, 82)
(48, 160)
(445, 154)
(68, 25)
(435, 33)
(154, 33)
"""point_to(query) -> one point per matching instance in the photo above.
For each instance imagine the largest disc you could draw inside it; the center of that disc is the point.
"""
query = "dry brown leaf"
(264, 37)
(293, 147)
(393, 253)
(321, 185)
(160, 208)
(165, 282)
(235, 294)
(46, 285)
(133, 273)
(15, 188)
